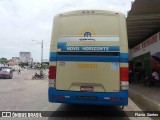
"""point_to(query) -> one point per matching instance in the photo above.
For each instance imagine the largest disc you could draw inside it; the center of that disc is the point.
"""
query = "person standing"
(155, 77)
(19, 71)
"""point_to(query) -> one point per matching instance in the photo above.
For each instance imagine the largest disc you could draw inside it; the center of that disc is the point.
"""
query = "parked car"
(6, 72)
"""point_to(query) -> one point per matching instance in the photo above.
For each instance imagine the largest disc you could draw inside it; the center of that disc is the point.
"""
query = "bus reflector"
(124, 85)
(124, 74)
(52, 72)
(114, 99)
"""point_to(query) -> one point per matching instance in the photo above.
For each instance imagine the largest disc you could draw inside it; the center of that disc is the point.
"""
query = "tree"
(44, 66)
(23, 64)
(3, 61)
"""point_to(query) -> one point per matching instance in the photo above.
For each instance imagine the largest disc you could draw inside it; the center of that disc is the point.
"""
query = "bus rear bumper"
(92, 98)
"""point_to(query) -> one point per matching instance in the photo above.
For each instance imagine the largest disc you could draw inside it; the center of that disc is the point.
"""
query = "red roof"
(12, 63)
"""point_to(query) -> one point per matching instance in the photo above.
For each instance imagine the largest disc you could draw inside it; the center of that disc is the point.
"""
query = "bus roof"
(82, 12)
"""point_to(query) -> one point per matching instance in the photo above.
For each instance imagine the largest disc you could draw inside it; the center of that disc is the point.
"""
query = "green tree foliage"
(23, 64)
(3, 61)
(44, 66)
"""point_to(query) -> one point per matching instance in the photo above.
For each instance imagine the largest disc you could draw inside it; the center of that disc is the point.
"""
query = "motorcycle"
(37, 76)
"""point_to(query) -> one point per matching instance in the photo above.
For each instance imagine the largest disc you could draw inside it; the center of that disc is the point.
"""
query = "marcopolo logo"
(87, 37)
(87, 34)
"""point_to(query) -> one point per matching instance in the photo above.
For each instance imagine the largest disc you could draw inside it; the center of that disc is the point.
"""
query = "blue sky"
(22, 21)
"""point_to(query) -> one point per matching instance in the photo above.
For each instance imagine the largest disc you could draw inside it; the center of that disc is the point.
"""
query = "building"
(16, 59)
(25, 57)
(143, 27)
(12, 63)
(147, 54)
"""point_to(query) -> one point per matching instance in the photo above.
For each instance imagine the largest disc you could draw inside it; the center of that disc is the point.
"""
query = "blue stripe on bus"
(52, 56)
(121, 96)
(63, 46)
(123, 58)
(90, 48)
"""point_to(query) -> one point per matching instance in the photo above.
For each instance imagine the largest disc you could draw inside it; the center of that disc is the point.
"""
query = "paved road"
(23, 94)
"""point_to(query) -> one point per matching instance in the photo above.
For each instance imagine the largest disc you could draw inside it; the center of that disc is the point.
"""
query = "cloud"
(25, 20)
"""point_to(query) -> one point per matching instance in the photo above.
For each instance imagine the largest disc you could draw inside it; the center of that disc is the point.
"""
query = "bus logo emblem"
(87, 34)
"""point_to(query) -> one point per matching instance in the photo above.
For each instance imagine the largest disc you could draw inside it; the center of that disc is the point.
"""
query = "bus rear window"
(89, 28)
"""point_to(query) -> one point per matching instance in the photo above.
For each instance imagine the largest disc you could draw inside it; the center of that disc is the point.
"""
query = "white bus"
(89, 58)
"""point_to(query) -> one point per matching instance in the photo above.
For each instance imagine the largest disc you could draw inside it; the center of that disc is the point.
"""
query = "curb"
(144, 103)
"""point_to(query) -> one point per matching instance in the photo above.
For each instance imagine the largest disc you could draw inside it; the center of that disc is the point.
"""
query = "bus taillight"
(124, 78)
(124, 74)
(52, 72)
(52, 76)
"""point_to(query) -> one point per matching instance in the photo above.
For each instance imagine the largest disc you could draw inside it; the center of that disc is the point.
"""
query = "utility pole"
(41, 43)
(41, 71)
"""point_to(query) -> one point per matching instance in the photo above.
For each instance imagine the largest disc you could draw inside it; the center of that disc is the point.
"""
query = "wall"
(151, 45)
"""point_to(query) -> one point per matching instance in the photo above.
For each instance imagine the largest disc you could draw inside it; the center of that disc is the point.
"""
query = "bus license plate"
(86, 88)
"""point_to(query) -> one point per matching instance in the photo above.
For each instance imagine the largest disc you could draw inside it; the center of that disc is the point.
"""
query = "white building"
(25, 57)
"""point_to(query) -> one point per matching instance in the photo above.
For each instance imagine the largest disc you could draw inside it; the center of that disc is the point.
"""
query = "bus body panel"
(92, 98)
(101, 23)
(88, 51)
(94, 74)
